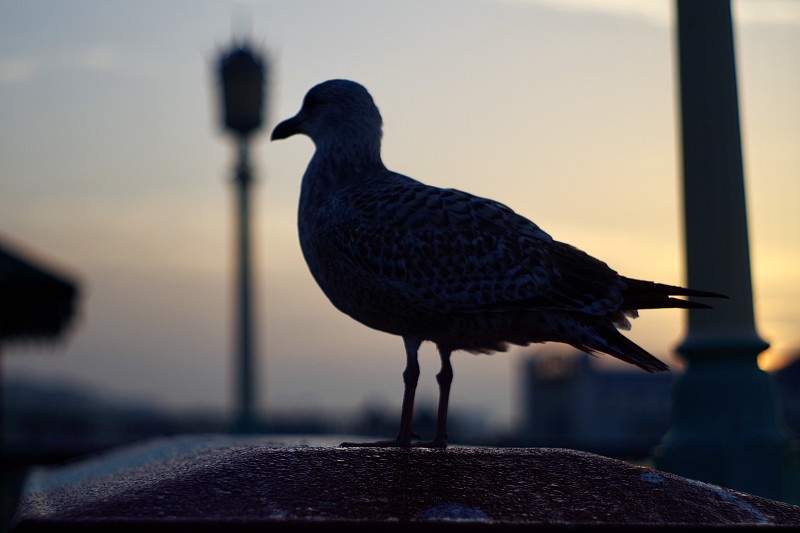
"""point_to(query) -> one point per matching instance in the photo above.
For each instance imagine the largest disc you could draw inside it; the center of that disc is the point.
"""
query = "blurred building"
(49, 422)
(787, 386)
(568, 402)
(36, 302)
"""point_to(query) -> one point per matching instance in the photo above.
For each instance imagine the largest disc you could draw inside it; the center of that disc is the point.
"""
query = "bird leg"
(410, 378)
(444, 378)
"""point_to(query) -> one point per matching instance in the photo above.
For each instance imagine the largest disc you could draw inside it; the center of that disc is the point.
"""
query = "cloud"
(653, 11)
(659, 12)
(15, 70)
(771, 12)
(91, 57)
(100, 57)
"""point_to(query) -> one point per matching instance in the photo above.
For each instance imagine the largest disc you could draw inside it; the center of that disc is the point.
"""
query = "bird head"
(334, 111)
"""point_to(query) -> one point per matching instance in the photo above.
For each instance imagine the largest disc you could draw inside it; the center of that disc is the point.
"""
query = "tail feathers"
(641, 294)
(659, 301)
(626, 350)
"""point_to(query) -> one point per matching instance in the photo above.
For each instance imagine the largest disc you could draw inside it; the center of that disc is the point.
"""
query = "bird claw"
(398, 443)
(435, 443)
(393, 443)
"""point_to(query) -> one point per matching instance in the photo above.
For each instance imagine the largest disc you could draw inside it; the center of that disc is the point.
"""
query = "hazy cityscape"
(565, 401)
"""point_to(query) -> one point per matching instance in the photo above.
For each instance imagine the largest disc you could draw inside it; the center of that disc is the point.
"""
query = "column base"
(726, 429)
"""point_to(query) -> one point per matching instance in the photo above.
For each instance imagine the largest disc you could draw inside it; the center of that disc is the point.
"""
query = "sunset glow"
(113, 165)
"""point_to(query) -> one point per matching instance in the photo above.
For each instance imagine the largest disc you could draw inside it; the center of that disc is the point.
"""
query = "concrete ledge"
(241, 484)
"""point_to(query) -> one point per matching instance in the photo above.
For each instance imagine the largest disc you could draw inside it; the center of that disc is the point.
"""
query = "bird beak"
(287, 128)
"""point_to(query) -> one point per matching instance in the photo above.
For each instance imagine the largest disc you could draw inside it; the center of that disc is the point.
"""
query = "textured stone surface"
(233, 482)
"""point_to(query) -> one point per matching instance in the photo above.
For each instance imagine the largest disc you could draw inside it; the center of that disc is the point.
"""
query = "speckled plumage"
(443, 265)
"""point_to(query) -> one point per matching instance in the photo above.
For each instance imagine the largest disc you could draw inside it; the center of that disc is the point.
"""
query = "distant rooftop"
(36, 302)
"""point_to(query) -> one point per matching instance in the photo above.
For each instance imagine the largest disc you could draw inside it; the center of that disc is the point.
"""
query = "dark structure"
(259, 484)
(35, 301)
(242, 75)
(787, 385)
(725, 428)
(36, 304)
(568, 403)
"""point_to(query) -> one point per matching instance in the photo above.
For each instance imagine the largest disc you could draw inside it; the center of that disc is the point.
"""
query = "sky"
(114, 170)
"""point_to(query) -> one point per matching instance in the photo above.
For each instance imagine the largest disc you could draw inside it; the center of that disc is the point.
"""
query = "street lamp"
(242, 75)
(725, 426)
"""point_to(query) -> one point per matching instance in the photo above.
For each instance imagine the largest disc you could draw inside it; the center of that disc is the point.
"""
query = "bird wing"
(455, 252)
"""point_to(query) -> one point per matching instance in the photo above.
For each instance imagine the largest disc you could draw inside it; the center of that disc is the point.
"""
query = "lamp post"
(725, 425)
(242, 73)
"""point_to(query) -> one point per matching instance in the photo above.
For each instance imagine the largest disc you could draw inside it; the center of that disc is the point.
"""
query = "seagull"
(445, 266)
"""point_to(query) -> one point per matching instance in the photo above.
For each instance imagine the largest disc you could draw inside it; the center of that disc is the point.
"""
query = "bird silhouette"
(443, 265)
